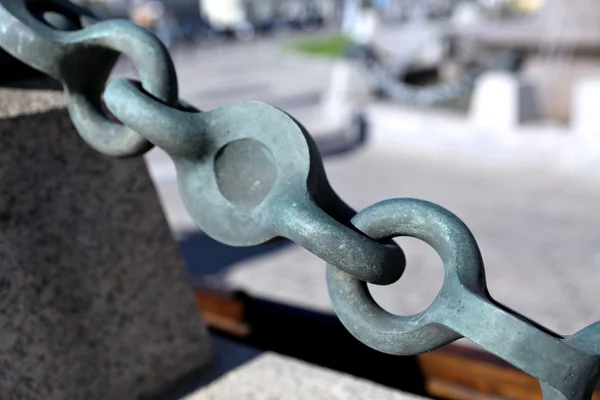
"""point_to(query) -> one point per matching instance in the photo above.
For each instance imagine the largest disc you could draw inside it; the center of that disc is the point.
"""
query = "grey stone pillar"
(95, 302)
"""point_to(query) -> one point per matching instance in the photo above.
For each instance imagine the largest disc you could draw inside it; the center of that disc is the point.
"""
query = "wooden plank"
(453, 372)
(447, 390)
(456, 377)
(223, 313)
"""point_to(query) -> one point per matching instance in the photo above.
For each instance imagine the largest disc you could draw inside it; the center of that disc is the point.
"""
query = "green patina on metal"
(567, 367)
(250, 174)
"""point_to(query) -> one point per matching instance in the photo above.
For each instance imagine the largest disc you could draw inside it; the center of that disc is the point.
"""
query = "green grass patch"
(332, 46)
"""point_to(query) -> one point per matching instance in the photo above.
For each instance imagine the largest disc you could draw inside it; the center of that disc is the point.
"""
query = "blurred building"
(525, 6)
(225, 14)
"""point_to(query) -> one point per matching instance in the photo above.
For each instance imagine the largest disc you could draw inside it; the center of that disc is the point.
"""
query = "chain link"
(249, 174)
(567, 367)
(252, 165)
(387, 83)
(83, 60)
(220, 155)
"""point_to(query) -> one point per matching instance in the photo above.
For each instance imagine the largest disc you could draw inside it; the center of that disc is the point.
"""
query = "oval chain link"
(213, 149)
(299, 205)
(83, 61)
(567, 367)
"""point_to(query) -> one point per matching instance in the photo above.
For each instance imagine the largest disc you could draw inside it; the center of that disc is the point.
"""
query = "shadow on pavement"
(206, 257)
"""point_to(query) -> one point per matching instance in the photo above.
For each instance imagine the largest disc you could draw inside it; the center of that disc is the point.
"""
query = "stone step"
(241, 372)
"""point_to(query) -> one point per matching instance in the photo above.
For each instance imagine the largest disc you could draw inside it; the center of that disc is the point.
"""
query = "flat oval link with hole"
(249, 174)
(569, 367)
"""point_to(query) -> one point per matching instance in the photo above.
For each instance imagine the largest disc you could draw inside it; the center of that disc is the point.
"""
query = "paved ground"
(215, 75)
(536, 225)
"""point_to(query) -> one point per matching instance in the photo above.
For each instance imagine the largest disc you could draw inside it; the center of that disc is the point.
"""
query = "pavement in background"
(535, 223)
(214, 75)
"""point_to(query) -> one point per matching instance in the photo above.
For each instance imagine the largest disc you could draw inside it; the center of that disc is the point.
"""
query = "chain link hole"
(420, 284)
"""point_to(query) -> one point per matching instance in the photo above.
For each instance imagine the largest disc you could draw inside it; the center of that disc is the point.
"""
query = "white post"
(585, 122)
(360, 24)
(501, 102)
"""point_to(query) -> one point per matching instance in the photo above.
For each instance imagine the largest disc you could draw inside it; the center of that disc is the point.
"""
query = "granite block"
(245, 373)
(95, 301)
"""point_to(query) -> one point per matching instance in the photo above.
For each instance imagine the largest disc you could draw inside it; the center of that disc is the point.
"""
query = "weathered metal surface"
(567, 367)
(83, 60)
(249, 174)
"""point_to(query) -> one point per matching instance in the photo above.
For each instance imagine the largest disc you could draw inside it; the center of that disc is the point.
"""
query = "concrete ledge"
(267, 376)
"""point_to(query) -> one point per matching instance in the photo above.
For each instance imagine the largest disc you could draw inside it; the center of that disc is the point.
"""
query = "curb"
(438, 136)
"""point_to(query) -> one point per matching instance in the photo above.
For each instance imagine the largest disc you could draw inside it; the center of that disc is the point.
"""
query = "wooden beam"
(223, 313)
(453, 372)
(455, 376)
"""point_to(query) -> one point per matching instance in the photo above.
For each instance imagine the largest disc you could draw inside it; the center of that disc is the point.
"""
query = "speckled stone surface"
(245, 373)
(95, 301)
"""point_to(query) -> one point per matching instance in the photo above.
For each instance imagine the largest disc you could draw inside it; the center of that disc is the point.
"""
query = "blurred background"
(488, 108)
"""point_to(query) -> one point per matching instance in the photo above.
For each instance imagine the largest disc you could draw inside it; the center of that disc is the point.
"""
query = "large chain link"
(249, 174)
